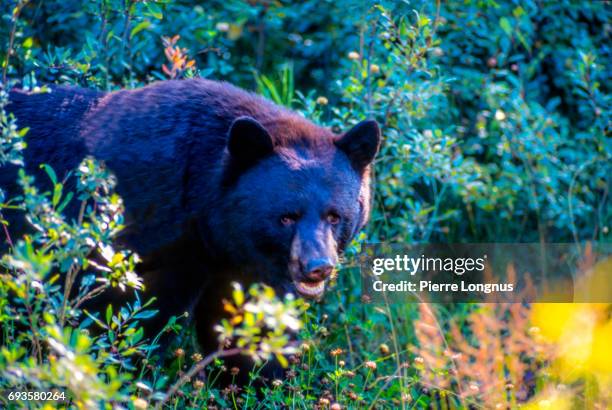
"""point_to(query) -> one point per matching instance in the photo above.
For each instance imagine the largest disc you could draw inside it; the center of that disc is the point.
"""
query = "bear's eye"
(288, 219)
(333, 218)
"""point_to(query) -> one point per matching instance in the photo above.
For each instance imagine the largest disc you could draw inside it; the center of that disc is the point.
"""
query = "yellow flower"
(384, 349)
(551, 399)
(140, 404)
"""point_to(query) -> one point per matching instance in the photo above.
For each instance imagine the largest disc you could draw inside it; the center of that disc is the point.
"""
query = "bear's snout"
(312, 262)
(318, 269)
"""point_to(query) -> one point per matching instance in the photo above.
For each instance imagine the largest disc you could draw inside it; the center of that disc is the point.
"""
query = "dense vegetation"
(496, 121)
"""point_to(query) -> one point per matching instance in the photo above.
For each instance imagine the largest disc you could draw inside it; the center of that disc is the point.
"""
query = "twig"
(9, 51)
(91, 294)
(6, 232)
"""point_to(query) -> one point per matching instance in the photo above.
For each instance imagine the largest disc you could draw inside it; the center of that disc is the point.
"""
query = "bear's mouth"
(311, 290)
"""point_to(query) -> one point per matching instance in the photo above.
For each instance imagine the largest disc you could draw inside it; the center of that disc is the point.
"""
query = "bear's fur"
(219, 184)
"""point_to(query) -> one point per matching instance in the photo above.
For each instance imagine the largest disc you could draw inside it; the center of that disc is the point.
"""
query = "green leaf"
(50, 172)
(109, 313)
(142, 26)
(57, 194)
(154, 11)
(145, 314)
(504, 24)
(65, 202)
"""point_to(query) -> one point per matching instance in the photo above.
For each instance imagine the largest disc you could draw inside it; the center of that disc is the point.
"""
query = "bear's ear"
(248, 142)
(361, 143)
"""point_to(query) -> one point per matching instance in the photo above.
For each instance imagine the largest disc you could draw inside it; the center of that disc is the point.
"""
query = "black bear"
(219, 184)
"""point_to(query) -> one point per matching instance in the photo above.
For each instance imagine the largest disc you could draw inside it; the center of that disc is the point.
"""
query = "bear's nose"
(318, 269)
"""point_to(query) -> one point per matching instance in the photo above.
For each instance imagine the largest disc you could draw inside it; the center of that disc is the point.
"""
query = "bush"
(496, 124)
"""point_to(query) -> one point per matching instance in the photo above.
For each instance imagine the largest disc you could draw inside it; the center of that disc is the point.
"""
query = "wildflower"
(305, 347)
(335, 406)
(140, 404)
(234, 371)
(341, 363)
(419, 360)
(474, 387)
(353, 55)
(291, 374)
(322, 100)
(196, 357)
(500, 115)
(384, 349)
(406, 397)
(198, 384)
(353, 396)
(437, 51)
(370, 365)
(179, 352)
(374, 69)
(277, 383)
(323, 401)
(349, 373)
(223, 26)
(336, 352)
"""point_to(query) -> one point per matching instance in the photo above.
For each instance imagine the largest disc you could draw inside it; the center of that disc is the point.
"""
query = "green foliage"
(496, 122)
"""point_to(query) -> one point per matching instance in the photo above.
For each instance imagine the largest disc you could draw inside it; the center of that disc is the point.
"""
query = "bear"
(219, 185)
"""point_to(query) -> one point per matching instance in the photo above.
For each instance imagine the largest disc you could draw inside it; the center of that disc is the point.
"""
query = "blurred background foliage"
(496, 115)
(496, 125)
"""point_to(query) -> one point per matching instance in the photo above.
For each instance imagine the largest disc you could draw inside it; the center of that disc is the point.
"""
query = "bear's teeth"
(310, 288)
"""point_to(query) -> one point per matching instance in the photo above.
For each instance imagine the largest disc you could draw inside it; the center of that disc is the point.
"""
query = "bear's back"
(164, 142)
(54, 121)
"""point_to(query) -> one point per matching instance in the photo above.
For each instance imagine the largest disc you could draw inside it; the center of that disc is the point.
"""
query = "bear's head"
(294, 196)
